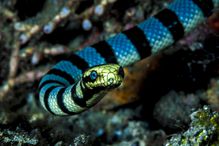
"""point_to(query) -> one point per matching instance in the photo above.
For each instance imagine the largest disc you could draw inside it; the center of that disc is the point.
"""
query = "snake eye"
(93, 75)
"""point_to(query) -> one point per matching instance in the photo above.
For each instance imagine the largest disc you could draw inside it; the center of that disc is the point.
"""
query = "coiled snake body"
(78, 82)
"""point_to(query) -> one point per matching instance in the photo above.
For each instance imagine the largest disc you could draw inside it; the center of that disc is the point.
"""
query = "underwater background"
(170, 98)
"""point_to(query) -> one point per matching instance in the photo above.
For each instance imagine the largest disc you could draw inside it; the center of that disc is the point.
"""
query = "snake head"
(103, 77)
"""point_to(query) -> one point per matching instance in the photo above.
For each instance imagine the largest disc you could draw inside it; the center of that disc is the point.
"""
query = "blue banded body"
(64, 90)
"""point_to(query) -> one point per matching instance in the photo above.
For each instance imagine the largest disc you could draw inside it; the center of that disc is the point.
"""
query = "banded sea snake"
(63, 90)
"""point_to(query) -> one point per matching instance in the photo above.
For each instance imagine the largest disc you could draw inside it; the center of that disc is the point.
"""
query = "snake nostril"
(121, 72)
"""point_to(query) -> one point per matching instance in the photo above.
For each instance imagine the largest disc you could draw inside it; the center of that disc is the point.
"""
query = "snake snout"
(121, 72)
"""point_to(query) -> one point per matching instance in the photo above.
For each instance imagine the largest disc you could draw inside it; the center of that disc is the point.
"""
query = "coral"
(203, 130)
(211, 94)
(18, 137)
(173, 109)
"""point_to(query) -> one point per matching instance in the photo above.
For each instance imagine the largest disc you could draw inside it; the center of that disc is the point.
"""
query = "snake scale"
(79, 81)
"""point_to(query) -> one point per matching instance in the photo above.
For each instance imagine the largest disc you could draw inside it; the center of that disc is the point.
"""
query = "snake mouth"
(115, 85)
